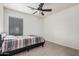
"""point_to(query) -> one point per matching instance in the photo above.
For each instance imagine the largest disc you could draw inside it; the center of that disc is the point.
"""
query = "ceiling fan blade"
(47, 10)
(35, 12)
(40, 6)
(42, 13)
(32, 8)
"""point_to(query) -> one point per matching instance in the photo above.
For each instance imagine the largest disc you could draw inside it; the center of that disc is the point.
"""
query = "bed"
(14, 44)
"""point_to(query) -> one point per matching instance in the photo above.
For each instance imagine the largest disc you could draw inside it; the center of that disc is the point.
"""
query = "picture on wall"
(15, 26)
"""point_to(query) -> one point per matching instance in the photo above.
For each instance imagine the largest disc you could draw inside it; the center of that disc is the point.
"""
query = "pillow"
(9, 37)
(0, 37)
(27, 37)
(3, 35)
(33, 35)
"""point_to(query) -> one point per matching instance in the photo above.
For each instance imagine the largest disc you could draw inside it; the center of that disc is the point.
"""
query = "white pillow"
(3, 35)
(9, 37)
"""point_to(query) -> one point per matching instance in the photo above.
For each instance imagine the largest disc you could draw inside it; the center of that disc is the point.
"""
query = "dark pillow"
(0, 40)
(0, 37)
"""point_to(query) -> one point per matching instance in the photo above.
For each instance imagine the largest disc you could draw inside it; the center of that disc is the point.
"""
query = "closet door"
(15, 26)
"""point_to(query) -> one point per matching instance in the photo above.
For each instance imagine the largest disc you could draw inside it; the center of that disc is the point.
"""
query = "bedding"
(16, 42)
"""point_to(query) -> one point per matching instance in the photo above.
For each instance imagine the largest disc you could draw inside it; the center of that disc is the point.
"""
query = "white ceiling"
(22, 7)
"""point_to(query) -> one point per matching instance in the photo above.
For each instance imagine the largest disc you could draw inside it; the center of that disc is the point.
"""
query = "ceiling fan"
(40, 9)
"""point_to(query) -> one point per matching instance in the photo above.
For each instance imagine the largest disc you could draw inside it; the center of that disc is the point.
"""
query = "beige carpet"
(50, 49)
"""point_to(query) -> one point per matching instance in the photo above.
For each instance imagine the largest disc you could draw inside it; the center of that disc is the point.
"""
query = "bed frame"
(10, 53)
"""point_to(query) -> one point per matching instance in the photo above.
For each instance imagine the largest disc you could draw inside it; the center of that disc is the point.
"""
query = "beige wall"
(1, 18)
(63, 27)
(31, 24)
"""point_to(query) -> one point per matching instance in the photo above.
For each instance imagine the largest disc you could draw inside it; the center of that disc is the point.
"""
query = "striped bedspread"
(12, 43)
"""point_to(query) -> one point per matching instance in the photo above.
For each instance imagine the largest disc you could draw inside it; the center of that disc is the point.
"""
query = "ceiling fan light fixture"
(40, 9)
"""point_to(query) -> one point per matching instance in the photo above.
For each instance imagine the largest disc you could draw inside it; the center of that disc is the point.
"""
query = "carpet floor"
(50, 49)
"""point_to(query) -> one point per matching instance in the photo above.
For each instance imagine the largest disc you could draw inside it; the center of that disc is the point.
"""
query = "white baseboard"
(63, 45)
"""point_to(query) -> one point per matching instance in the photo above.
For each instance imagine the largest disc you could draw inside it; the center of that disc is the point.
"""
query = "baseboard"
(63, 45)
